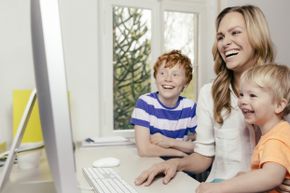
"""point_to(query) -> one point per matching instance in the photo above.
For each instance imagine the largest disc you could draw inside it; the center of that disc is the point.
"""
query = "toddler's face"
(257, 104)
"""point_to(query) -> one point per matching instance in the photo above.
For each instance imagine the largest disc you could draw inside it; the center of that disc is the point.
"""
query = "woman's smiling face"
(233, 43)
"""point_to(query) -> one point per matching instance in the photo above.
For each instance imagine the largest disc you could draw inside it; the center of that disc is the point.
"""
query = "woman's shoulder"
(205, 96)
(206, 88)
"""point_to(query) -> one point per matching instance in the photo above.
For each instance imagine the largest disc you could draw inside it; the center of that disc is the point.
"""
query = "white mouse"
(106, 162)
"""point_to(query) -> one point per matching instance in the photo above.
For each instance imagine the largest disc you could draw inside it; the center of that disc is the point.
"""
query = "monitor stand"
(17, 140)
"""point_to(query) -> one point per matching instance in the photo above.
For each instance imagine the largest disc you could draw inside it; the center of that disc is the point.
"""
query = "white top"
(231, 143)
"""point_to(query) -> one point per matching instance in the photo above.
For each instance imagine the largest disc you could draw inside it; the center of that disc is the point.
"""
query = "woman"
(223, 140)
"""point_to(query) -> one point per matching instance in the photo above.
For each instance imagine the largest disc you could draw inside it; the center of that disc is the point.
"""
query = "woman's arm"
(194, 162)
(167, 142)
(146, 148)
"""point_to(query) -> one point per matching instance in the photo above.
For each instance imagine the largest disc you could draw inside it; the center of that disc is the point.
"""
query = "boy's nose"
(168, 77)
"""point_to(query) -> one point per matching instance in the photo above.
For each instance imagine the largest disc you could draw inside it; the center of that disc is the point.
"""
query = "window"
(133, 34)
(131, 57)
(180, 32)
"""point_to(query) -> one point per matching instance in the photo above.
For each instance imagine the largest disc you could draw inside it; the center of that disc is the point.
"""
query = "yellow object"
(33, 131)
(2, 147)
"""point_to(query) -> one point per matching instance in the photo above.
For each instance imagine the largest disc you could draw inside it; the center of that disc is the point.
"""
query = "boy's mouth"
(167, 87)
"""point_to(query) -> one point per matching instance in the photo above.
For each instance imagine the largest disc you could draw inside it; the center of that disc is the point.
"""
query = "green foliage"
(132, 49)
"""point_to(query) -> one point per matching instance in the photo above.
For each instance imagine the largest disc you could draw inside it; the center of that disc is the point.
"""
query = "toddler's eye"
(253, 95)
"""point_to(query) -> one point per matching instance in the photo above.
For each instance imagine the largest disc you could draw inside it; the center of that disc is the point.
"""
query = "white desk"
(32, 180)
(130, 167)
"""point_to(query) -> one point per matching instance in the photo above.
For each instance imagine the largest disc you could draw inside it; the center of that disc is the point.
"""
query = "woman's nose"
(227, 41)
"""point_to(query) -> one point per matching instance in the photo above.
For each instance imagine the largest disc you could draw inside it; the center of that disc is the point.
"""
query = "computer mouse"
(106, 162)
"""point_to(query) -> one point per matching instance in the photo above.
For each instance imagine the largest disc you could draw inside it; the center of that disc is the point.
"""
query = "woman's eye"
(218, 38)
(236, 32)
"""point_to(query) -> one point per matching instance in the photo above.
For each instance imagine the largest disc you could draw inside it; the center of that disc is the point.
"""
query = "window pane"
(180, 33)
(131, 60)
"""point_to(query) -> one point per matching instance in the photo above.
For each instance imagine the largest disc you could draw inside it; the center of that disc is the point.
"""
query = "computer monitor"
(52, 93)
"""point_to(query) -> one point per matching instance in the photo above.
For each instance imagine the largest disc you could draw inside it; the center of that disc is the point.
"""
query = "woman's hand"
(168, 168)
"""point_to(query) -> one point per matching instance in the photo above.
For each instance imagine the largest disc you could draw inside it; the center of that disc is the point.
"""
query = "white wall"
(79, 25)
(80, 34)
(15, 57)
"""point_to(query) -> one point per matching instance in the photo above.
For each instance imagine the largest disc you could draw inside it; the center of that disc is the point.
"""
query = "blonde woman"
(223, 140)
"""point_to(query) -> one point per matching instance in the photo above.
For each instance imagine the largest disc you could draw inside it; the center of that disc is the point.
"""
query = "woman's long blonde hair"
(260, 40)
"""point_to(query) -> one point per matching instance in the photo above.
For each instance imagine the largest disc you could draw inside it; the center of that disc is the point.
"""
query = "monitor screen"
(52, 93)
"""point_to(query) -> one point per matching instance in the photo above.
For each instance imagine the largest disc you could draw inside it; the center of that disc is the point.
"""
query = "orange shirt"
(274, 146)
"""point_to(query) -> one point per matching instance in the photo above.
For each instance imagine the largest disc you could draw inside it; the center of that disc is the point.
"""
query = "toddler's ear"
(281, 105)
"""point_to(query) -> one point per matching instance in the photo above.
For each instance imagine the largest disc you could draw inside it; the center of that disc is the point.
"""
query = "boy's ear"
(281, 105)
(184, 87)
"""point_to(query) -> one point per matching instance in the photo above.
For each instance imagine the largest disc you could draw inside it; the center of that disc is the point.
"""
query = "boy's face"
(258, 105)
(170, 83)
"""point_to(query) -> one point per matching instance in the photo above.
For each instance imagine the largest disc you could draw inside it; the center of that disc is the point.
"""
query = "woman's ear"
(281, 105)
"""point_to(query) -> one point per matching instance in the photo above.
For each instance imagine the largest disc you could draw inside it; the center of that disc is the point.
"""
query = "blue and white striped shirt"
(175, 122)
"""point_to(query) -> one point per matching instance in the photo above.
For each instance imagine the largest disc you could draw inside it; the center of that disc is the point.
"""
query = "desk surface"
(131, 166)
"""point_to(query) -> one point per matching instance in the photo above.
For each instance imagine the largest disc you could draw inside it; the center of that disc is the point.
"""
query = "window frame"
(105, 73)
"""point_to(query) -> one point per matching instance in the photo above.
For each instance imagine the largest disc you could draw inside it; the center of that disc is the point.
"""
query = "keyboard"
(106, 180)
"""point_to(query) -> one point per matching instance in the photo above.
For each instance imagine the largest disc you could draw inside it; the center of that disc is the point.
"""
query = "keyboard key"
(106, 180)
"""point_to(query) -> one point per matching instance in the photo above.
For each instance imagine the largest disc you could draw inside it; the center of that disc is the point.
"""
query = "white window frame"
(106, 49)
